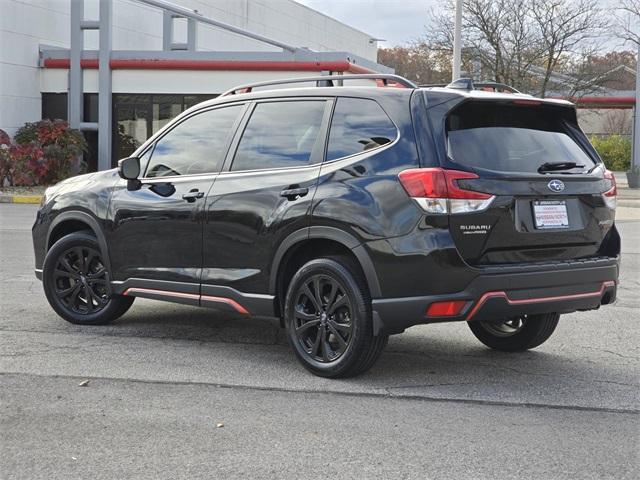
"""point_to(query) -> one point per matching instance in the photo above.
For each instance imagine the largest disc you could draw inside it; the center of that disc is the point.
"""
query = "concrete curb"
(33, 199)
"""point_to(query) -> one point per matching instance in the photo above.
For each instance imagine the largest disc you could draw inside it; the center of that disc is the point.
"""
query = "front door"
(156, 232)
(263, 194)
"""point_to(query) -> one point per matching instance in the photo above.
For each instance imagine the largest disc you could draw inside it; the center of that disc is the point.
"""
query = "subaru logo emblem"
(556, 185)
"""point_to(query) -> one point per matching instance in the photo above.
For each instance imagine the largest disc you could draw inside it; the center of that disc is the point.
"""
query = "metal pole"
(457, 41)
(192, 29)
(187, 13)
(74, 95)
(635, 155)
(167, 31)
(104, 86)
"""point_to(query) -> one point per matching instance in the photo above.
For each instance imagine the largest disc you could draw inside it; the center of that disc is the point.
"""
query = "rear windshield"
(512, 138)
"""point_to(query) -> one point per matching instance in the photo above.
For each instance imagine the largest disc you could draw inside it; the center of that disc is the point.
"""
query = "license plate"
(550, 214)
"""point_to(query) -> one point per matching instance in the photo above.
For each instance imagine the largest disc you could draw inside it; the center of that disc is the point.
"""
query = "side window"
(358, 125)
(194, 146)
(280, 134)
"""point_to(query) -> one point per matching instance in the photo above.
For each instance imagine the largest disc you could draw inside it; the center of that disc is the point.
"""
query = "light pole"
(635, 154)
(457, 41)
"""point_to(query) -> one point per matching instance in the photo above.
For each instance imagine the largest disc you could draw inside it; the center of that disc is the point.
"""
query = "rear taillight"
(610, 195)
(436, 190)
(449, 308)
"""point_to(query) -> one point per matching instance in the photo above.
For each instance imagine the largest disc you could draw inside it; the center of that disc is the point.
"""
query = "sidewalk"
(627, 197)
(21, 194)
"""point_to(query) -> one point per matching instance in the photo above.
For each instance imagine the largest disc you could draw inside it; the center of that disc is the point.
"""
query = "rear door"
(263, 194)
(551, 201)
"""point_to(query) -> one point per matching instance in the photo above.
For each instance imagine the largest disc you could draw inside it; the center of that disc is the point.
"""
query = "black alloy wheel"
(80, 280)
(329, 319)
(322, 318)
(76, 282)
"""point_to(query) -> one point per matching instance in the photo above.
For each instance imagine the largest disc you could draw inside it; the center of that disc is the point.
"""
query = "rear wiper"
(557, 166)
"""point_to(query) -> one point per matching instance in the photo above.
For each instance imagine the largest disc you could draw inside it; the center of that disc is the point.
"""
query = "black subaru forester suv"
(349, 212)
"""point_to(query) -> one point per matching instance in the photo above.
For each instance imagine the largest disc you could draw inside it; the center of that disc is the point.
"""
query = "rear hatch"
(552, 198)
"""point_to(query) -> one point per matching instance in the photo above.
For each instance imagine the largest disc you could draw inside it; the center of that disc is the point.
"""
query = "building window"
(135, 118)
(54, 106)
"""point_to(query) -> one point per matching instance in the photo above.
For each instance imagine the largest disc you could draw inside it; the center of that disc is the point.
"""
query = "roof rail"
(496, 86)
(325, 81)
(462, 84)
(469, 84)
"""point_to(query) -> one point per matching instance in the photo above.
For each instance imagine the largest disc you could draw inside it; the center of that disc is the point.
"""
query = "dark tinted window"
(194, 146)
(512, 138)
(137, 117)
(279, 134)
(358, 125)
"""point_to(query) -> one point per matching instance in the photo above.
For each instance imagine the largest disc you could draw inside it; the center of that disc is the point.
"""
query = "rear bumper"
(569, 288)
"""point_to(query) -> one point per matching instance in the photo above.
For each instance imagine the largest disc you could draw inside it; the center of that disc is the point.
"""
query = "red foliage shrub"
(43, 153)
(5, 139)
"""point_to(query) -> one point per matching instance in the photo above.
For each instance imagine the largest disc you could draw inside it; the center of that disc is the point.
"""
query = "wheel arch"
(329, 236)
(75, 221)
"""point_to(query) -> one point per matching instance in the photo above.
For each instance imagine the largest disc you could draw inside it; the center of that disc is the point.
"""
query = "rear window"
(512, 138)
(358, 125)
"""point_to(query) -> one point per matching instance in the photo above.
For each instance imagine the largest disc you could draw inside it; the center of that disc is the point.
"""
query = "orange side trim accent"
(206, 298)
(239, 308)
(525, 301)
(133, 291)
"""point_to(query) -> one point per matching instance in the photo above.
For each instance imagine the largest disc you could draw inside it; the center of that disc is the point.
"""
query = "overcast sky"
(396, 21)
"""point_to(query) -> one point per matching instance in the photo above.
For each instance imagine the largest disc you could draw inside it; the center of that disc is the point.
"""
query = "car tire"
(75, 282)
(328, 319)
(516, 334)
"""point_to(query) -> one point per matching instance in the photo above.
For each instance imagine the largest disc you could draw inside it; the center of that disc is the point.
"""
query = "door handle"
(294, 193)
(192, 195)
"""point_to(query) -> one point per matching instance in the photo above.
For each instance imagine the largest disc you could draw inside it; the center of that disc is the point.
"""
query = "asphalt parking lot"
(437, 405)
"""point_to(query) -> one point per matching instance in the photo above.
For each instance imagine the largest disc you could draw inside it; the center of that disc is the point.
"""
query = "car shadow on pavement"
(432, 360)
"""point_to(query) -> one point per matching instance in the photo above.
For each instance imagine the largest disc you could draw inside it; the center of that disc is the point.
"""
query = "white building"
(159, 63)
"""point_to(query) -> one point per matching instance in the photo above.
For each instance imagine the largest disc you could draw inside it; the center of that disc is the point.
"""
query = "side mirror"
(129, 168)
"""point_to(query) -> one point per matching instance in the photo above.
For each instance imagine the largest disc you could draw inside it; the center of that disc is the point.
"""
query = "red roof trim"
(214, 65)
(602, 101)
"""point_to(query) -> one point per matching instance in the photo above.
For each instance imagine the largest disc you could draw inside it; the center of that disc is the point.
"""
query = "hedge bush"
(42, 153)
(615, 151)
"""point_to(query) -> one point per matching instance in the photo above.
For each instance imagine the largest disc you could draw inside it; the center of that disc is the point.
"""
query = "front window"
(195, 145)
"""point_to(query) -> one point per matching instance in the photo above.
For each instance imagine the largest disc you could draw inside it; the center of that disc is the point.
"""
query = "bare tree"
(501, 36)
(496, 33)
(418, 62)
(566, 27)
(628, 20)
(617, 122)
(523, 42)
